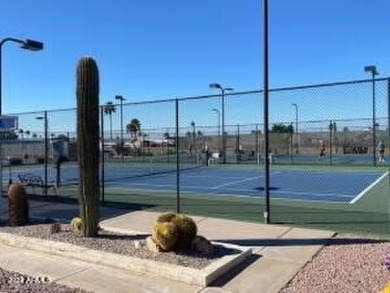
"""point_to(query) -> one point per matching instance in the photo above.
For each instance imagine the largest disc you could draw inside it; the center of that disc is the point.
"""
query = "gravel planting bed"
(348, 264)
(119, 243)
(12, 282)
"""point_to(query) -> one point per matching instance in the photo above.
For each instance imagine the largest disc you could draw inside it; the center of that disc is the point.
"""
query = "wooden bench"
(33, 181)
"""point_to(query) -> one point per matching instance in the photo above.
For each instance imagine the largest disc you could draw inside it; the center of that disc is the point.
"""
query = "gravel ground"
(12, 282)
(348, 264)
(121, 244)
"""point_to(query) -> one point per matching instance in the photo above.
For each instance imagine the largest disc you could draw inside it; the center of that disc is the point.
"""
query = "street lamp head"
(229, 89)
(215, 110)
(119, 98)
(371, 69)
(295, 105)
(32, 45)
(215, 86)
(40, 118)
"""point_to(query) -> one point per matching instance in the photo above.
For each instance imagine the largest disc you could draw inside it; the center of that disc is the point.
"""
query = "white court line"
(371, 186)
(234, 182)
(251, 191)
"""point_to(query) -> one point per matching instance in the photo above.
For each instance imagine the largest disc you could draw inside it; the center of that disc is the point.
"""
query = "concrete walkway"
(279, 253)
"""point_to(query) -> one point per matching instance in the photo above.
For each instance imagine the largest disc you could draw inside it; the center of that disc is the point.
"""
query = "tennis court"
(296, 184)
(329, 186)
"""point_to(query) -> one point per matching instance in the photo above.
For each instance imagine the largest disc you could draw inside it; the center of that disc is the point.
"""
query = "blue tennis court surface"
(328, 185)
(307, 185)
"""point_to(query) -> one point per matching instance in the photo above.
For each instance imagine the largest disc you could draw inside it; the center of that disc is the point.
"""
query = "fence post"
(46, 149)
(102, 152)
(388, 117)
(331, 142)
(292, 144)
(238, 149)
(177, 157)
(388, 126)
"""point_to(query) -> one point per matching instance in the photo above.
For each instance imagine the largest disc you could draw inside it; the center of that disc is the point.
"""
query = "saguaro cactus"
(88, 143)
(17, 205)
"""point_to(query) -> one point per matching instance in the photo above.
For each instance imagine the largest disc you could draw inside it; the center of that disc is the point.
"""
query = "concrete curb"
(192, 276)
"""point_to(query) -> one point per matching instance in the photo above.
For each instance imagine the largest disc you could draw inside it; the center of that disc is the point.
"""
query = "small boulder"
(139, 243)
(151, 245)
(202, 245)
(54, 228)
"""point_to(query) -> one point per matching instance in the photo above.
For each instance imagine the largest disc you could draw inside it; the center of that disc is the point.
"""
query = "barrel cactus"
(165, 217)
(17, 205)
(165, 234)
(88, 143)
(76, 224)
(174, 231)
(187, 230)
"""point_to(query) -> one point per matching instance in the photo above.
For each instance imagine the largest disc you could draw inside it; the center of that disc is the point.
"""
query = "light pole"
(372, 69)
(44, 118)
(121, 99)
(27, 44)
(267, 211)
(24, 44)
(296, 127)
(219, 127)
(223, 90)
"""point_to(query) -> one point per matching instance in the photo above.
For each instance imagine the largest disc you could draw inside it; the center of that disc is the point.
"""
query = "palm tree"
(108, 109)
(21, 131)
(27, 132)
(134, 127)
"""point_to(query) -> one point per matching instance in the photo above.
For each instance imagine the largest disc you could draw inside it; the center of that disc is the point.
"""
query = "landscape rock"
(139, 243)
(203, 245)
(54, 228)
(151, 245)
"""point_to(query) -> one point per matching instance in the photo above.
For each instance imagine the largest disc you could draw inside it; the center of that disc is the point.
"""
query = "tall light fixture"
(372, 69)
(30, 45)
(219, 127)
(266, 214)
(223, 90)
(27, 44)
(121, 99)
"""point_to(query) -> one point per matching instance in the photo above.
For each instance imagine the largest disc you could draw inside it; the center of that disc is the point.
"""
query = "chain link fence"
(205, 155)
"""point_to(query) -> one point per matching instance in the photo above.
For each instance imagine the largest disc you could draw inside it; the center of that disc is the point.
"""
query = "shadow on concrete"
(233, 272)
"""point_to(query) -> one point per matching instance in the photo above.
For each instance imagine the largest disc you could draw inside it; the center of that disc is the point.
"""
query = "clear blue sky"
(153, 49)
